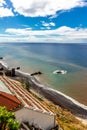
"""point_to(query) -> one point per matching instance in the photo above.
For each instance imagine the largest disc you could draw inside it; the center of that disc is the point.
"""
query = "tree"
(7, 120)
(22, 82)
(27, 84)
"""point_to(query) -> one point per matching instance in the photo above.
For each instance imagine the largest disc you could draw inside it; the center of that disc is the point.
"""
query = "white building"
(32, 110)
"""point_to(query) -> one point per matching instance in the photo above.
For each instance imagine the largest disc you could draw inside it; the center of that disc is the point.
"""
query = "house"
(27, 108)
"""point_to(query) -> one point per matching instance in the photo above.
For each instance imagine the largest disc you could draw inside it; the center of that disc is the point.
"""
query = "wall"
(44, 120)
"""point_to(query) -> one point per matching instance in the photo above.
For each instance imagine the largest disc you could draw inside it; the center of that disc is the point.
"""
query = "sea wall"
(55, 96)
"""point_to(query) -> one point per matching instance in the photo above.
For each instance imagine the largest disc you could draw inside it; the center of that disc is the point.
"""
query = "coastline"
(56, 97)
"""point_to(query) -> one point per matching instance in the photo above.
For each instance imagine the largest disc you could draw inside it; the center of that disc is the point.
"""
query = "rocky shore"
(56, 97)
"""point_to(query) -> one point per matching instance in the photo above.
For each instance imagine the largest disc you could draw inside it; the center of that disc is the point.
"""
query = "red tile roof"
(8, 100)
(26, 97)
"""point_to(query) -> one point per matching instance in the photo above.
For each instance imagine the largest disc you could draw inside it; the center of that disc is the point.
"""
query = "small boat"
(59, 72)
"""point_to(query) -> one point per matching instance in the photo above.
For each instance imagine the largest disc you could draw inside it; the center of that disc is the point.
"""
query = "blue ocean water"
(47, 57)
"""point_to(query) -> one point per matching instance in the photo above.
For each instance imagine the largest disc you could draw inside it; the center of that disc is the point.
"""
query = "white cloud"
(45, 24)
(62, 34)
(34, 8)
(2, 2)
(48, 24)
(43, 8)
(19, 31)
(52, 24)
(5, 12)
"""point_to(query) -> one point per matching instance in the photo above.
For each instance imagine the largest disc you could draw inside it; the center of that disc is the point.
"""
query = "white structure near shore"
(31, 110)
(44, 121)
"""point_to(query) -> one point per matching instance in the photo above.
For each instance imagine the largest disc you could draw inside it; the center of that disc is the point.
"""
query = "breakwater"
(55, 96)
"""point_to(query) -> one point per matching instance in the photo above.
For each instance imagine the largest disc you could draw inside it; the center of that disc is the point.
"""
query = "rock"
(36, 73)
(1, 58)
(1, 68)
(18, 68)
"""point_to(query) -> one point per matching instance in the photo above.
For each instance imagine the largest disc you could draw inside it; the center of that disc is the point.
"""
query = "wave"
(59, 72)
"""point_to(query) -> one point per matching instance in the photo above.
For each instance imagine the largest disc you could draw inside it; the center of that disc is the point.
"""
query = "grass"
(65, 119)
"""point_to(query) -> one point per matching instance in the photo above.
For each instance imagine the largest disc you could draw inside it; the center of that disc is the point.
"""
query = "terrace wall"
(43, 120)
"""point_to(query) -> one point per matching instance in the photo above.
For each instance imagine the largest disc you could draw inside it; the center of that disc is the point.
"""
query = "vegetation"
(25, 84)
(7, 120)
(22, 82)
(65, 119)
(39, 97)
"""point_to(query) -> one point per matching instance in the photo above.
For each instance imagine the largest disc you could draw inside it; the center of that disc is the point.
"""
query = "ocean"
(48, 57)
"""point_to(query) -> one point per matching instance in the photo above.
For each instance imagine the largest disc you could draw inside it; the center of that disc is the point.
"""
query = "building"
(27, 108)
(10, 101)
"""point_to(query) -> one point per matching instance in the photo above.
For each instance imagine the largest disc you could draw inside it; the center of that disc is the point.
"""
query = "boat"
(59, 72)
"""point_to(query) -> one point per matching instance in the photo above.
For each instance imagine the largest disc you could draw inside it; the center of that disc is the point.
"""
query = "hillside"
(65, 119)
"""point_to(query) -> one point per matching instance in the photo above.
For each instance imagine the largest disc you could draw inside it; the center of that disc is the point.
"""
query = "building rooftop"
(8, 100)
(27, 99)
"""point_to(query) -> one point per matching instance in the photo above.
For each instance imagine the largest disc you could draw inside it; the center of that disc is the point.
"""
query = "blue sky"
(59, 21)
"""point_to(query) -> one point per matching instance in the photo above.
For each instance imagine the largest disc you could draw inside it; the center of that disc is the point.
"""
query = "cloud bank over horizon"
(62, 34)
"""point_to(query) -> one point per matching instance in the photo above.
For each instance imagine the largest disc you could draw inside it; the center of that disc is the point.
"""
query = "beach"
(50, 57)
(56, 97)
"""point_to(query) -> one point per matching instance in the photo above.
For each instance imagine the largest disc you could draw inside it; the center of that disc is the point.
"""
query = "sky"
(48, 21)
